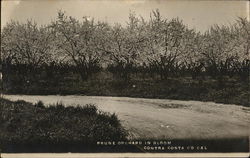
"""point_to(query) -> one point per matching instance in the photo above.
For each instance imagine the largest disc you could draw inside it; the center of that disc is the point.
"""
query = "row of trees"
(155, 46)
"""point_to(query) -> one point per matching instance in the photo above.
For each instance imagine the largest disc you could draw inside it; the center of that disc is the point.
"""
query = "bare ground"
(163, 118)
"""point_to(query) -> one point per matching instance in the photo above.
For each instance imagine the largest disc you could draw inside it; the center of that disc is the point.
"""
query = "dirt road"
(162, 118)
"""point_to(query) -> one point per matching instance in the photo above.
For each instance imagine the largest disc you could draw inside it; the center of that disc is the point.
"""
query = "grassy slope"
(25, 124)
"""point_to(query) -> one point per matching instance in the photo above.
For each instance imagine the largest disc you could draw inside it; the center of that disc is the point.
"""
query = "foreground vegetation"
(27, 127)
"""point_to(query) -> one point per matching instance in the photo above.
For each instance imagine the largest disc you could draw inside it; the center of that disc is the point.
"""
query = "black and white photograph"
(124, 76)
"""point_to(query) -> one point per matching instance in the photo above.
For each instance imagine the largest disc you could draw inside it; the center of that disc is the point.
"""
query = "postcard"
(124, 77)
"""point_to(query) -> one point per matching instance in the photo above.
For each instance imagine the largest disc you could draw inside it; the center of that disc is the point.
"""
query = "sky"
(197, 14)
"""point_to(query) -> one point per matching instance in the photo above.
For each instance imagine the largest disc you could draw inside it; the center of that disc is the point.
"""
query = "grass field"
(226, 90)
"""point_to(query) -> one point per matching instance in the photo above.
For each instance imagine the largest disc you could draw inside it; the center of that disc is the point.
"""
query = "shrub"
(40, 104)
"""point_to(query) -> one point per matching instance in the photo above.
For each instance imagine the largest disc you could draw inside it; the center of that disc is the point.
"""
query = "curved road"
(162, 118)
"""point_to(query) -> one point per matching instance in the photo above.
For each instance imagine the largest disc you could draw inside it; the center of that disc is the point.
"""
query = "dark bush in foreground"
(25, 123)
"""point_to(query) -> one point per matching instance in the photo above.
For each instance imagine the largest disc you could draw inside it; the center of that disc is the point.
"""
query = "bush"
(40, 104)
